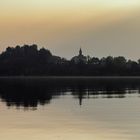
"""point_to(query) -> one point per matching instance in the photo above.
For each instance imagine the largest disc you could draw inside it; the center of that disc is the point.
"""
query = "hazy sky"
(100, 27)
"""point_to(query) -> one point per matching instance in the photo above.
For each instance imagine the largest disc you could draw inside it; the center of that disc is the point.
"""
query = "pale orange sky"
(100, 27)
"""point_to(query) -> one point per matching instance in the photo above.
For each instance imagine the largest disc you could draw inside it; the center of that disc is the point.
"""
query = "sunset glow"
(62, 26)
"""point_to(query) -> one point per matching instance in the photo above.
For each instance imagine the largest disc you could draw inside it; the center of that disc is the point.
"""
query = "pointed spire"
(80, 51)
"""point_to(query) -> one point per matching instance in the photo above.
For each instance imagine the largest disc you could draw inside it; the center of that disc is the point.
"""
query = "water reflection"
(31, 92)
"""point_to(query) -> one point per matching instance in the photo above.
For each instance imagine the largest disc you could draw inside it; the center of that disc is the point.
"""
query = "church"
(80, 58)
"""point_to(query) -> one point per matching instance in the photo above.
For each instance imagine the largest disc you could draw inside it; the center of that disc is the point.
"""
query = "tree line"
(28, 60)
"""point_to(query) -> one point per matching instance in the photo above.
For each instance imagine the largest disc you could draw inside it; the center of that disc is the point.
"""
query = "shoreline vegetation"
(29, 61)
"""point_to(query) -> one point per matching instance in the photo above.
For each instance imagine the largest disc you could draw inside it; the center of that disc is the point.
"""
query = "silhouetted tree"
(29, 60)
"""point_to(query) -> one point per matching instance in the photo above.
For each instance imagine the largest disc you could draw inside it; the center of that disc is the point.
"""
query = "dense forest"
(28, 60)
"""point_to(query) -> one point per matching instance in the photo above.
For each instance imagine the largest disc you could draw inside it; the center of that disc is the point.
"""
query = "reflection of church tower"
(80, 52)
(80, 99)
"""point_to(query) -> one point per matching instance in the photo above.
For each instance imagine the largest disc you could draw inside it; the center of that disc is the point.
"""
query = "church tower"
(80, 52)
(79, 58)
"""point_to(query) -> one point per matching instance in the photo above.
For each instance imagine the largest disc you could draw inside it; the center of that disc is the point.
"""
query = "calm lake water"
(69, 109)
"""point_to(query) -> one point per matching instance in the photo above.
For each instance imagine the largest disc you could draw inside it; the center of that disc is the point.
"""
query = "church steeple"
(80, 58)
(80, 52)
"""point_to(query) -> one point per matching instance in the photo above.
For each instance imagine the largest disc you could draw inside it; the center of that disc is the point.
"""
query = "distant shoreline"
(28, 60)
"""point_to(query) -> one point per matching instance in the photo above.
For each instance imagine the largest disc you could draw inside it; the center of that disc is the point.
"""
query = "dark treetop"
(28, 60)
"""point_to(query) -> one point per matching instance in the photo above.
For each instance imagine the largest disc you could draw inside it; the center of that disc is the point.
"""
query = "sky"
(99, 27)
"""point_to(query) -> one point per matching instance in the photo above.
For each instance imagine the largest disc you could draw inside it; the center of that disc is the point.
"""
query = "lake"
(69, 108)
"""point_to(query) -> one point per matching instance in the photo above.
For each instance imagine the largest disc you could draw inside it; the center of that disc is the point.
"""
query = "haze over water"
(59, 109)
(85, 108)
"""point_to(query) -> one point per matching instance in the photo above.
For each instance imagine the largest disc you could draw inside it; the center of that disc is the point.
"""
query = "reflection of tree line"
(30, 93)
(98, 93)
